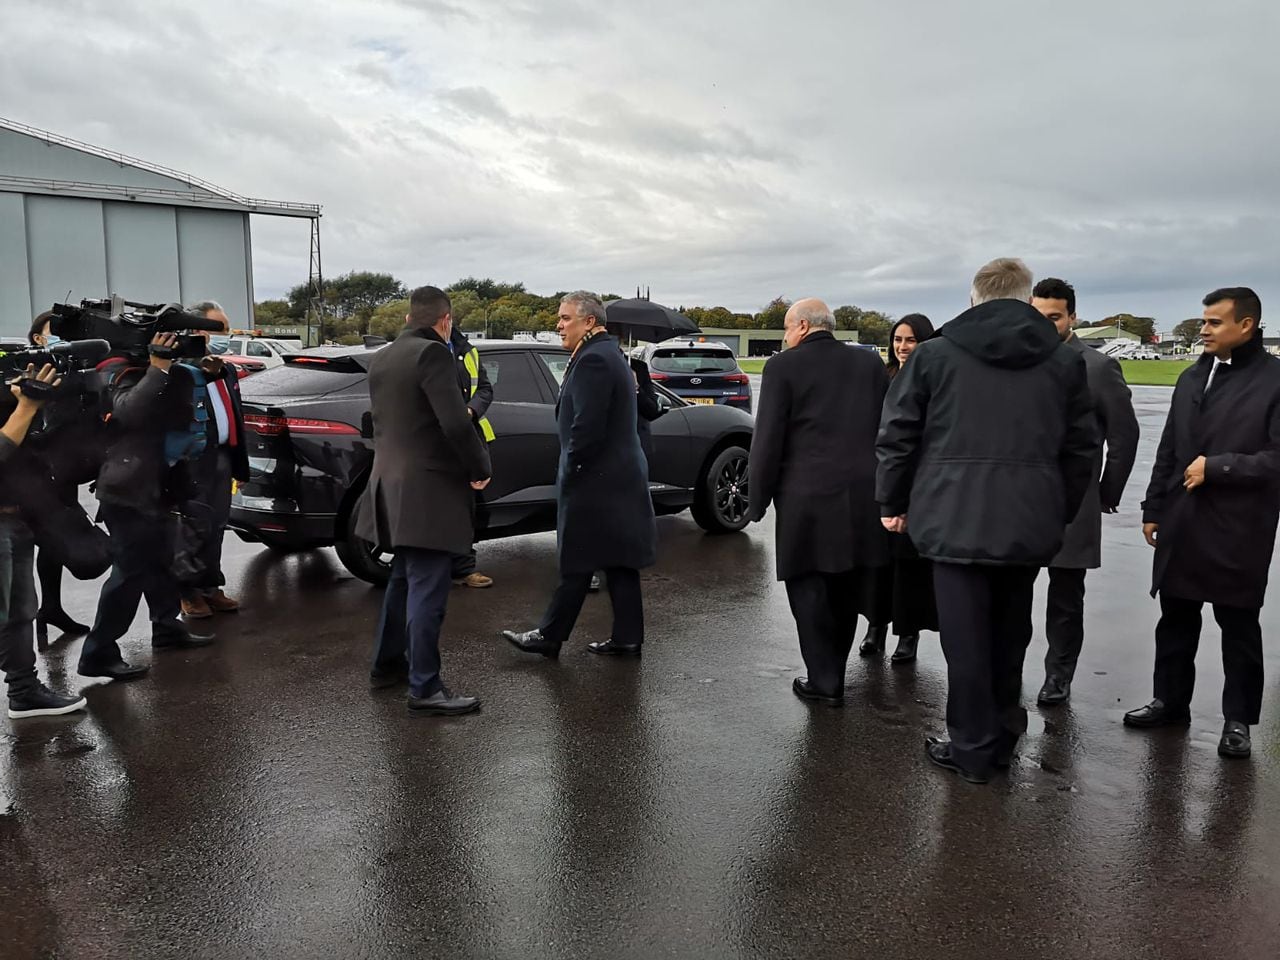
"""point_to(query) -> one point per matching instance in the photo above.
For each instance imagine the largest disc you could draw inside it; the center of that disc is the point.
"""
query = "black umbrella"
(646, 320)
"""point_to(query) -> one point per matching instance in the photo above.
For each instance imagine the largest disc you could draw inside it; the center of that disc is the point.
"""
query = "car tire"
(361, 557)
(720, 503)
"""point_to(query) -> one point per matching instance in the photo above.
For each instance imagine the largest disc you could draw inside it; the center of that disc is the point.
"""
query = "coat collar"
(424, 333)
(815, 338)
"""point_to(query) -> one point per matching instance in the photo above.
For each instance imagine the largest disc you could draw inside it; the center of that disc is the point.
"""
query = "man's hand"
(162, 340)
(896, 524)
(47, 375)
(1193, 476)
(1151, 532)
(472, 411)
(480, 484)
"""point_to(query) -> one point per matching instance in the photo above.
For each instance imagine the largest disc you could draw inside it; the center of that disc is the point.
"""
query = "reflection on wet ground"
(255, 799)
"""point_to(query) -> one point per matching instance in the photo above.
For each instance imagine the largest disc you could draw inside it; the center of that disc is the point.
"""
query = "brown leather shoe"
(476, 580)
(197, 609)
(219, 602)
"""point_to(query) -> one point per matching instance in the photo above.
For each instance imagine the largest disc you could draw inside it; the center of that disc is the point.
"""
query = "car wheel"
(365, 560)
(721, 503)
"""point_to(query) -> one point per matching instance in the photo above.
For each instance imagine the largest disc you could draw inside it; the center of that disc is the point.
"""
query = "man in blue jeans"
(28, 697)
(427, 461)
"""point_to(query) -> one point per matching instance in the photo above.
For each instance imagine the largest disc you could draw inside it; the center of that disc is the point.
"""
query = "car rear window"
(292, 381)
(693, 360)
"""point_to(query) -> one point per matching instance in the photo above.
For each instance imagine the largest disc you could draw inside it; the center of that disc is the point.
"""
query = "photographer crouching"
(28, 697)
(225, 459)
(158, 413)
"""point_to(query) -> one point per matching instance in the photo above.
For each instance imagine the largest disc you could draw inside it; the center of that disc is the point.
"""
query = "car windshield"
(690, 361)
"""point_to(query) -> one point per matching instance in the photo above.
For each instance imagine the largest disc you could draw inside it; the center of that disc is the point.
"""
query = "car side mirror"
(664, 402)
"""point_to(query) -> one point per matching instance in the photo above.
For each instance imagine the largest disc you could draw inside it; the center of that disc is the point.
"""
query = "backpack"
(189, 441)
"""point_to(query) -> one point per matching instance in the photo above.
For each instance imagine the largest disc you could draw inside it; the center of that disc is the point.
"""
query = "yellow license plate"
(711, 400)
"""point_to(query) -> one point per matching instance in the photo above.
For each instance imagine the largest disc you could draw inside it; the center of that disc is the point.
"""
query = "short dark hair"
(427, 305)
(1051, 288)
(37, 325)
(1244, 303)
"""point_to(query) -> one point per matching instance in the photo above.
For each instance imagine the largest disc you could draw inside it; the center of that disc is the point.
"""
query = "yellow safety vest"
(472, 363)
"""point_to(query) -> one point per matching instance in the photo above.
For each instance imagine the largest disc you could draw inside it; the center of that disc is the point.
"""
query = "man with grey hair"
(813, 455)
(225, 458)
(604, 515)
(986, 450)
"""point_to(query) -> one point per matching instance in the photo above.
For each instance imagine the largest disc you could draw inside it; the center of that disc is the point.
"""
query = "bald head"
(805, 317)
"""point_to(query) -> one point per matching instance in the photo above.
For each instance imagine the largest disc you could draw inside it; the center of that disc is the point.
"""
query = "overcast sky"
(863, 151)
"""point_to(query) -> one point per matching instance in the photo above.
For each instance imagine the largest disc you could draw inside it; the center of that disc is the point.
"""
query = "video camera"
(129, 327)
(73, 361)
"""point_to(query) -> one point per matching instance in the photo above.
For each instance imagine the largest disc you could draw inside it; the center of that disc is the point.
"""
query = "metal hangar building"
(78, 222)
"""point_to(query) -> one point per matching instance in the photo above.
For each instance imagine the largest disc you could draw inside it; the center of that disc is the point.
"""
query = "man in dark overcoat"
(813, 455)
(987, 446)
(1082, 543)
(427, 460)
(605, 515)
(1211, 513)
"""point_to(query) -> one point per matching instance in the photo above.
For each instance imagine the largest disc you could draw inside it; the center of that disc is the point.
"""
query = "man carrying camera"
(28, 697)
(225, 458)
(138, 488)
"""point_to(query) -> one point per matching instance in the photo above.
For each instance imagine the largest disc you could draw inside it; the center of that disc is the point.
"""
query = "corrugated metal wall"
(55, 249)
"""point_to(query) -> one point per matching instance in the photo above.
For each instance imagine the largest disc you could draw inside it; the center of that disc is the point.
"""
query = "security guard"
(477, 391)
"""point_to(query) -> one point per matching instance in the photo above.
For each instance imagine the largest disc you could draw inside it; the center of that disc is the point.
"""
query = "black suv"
(701, 372)
(309, 438)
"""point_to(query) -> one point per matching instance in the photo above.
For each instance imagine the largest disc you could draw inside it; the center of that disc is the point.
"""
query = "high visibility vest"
(472, 363)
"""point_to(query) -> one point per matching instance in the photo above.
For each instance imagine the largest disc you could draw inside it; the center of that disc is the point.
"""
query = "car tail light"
(737, 378)
(657, 376)
(275, 426)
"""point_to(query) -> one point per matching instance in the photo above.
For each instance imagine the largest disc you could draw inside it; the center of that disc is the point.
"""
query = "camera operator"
(28, 697)
(138, 488)
(48, 566)
(224, 459)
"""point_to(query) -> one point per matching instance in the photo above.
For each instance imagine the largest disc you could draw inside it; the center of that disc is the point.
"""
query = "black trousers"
(1178, 638)
(213, 489)
(624, 595)
(141, 558)
(17, 604)
(413, 610)
(985, 620)
(1064, 622)
(825, 607)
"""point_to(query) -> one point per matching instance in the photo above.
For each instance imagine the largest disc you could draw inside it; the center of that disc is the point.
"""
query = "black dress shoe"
(1235, 743)
(803, 689)
(939, 751)
(442, 703)
(873, 643)
(1156, 714)
(906, 651)
(1055, 692)
(118, 671)
(184, 640)
(381, 677)
(532, 642)
(61, 621)
(610, 648)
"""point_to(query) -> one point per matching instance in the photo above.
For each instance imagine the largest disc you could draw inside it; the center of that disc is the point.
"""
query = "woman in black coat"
(605, 516)
(49, 567)
(904, 595)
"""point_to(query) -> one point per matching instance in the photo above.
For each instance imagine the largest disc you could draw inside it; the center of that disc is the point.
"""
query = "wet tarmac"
(255, 799)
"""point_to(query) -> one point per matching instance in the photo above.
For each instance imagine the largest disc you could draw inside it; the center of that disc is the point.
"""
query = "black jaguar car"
(309, 435)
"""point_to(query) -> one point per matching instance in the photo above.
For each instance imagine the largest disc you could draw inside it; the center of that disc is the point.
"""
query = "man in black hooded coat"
(986, 450)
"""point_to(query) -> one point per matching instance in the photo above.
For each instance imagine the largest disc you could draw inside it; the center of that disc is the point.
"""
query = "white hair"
(206, 307)
(817, 315)
(585, 304)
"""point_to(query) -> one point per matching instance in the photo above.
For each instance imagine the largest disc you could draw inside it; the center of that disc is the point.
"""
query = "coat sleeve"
(479, 402)
(1249, 469)
(768, 440)
(589, 432)
(134, 403)
(439, 381)
(1121, 432)
(646, 396)
(1164, 468)
(901, 430)
(1080, 443)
